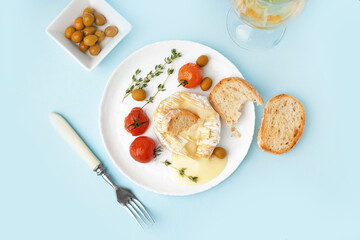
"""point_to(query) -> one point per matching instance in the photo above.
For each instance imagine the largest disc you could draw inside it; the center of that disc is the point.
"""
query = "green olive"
(90, 40)
(95, 50)
(89, 30)
(77, 36)
(206, 84)
(78, 23)
(88, 19)
(202, 60)
(100, 34)
(69, 31)
(88, 10)
(99, 19)
(111, 31)
(83, 47)
(219, 152)
(138, 94)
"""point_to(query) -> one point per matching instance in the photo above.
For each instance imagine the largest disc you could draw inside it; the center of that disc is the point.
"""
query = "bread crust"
(261, 130)
(246, 84)
(259, 99)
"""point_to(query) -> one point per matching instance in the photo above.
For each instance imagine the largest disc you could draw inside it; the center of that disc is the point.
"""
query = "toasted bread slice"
(282, 124)
(229, 96)
(180, 120)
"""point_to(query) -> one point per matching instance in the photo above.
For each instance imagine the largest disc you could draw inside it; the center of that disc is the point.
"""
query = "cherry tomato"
(136, 122)
(190, 75)
(143, 149)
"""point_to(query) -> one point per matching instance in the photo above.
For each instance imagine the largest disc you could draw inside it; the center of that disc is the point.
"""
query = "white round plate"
(155, 176)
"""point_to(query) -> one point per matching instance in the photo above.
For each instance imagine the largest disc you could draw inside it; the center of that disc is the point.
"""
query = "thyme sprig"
(140, 83)
(161, 86)
(133, 83)
(181, 171)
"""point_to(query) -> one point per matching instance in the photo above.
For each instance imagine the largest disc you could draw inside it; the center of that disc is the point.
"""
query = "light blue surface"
(312, 192)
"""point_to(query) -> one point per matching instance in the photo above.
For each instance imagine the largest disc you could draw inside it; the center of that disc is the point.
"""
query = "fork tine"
(142, 206)
(135, 212)
(139, 210)
(128, 209)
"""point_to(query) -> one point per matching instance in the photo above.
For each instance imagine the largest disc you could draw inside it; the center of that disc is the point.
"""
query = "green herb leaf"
(170, 71)
(150, 100)
(182, 171)
(167, 163)
(194, 179)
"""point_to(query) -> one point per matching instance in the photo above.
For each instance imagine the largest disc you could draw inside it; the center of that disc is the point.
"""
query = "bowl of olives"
(88, 30)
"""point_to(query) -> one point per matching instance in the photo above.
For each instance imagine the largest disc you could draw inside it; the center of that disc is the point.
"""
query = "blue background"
(312, 192)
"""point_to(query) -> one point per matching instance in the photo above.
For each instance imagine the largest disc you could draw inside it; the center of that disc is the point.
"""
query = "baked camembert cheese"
(186, 124)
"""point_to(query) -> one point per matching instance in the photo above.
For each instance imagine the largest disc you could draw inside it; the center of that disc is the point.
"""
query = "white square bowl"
(66, 18)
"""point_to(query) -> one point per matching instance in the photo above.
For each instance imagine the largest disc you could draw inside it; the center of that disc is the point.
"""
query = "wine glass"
(260, 24)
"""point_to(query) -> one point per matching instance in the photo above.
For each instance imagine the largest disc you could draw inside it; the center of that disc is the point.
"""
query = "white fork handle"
(74, 140)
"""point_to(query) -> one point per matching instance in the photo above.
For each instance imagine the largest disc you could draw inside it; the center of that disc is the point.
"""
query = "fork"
(124, 196)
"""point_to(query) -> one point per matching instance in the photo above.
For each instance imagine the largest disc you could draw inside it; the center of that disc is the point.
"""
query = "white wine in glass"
(260, 24)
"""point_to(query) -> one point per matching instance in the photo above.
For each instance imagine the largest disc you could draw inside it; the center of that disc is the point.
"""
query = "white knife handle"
(74, 140)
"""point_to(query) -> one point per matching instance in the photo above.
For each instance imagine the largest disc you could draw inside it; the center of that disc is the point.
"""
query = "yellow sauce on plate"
(204, 169)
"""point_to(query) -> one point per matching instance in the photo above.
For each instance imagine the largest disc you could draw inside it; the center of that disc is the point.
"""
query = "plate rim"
(101, 121)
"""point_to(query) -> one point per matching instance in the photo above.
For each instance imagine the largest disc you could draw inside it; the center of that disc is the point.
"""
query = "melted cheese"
(205, 169)
(200, 139)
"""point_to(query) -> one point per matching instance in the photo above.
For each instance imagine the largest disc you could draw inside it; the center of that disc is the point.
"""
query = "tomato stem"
(183, 82)
(157, 151)
(136, 123)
